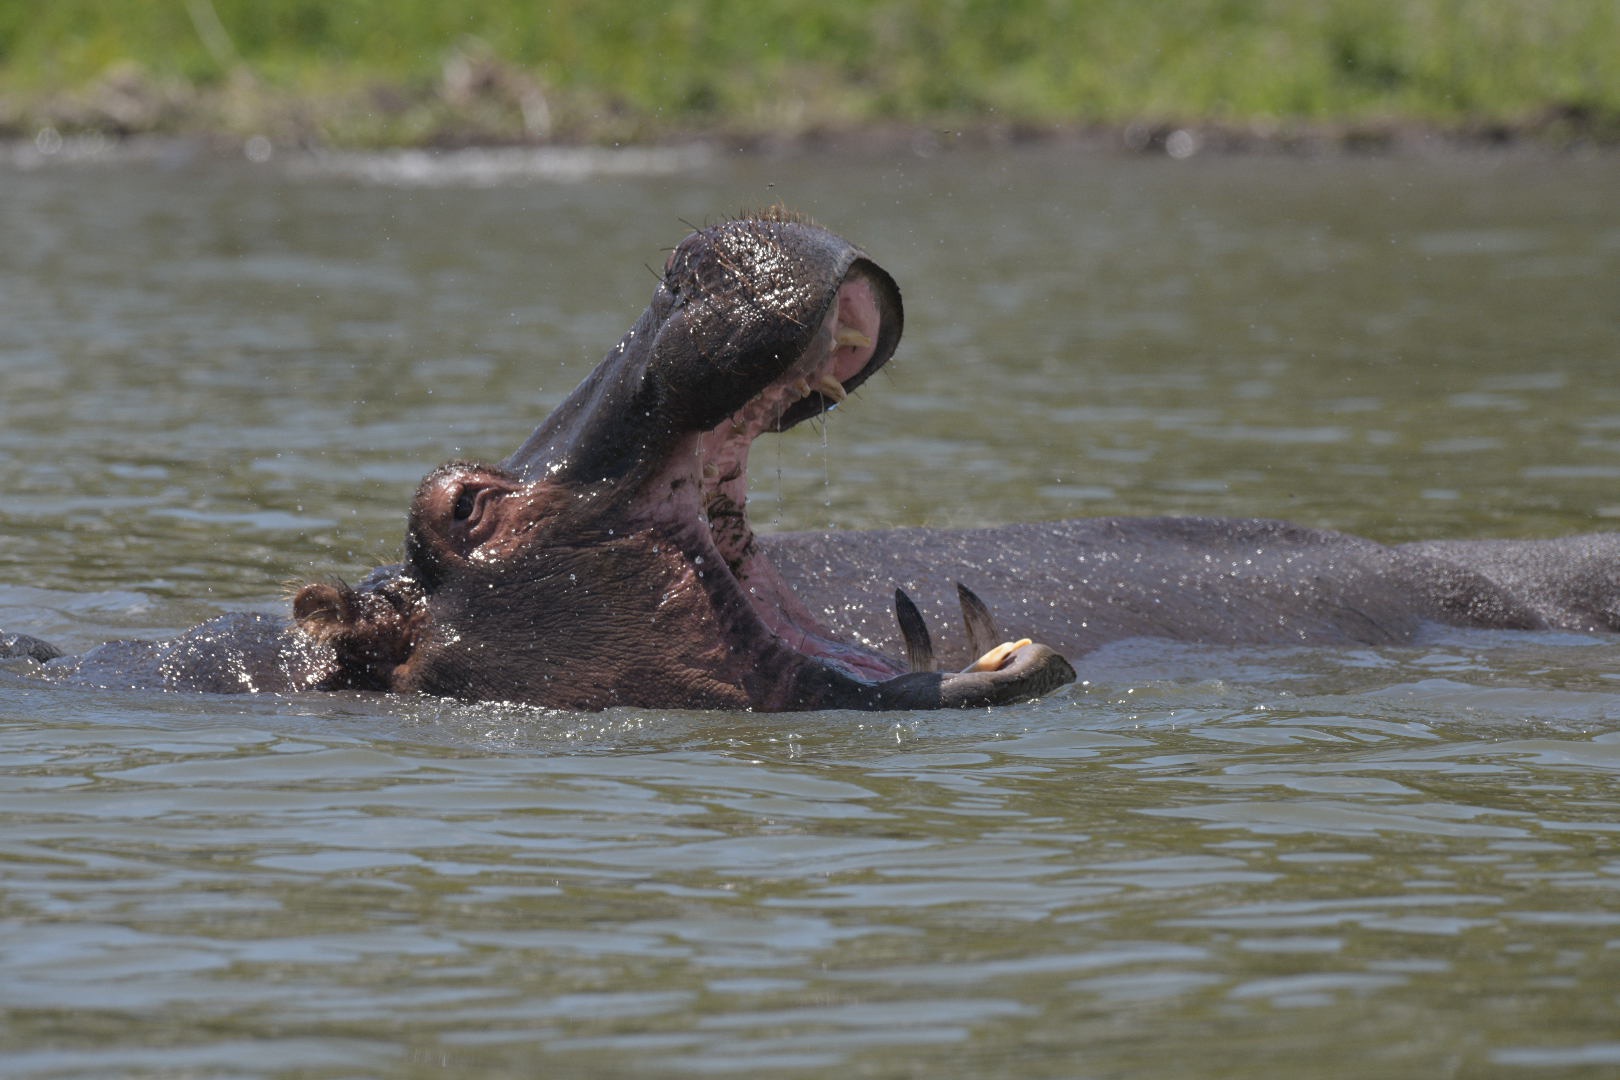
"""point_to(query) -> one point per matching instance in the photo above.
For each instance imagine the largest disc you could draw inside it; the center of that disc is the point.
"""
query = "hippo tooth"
(992, 660)
(919, 647)
(801, 387)
(977, 620)
(832, 389)
(848, 335)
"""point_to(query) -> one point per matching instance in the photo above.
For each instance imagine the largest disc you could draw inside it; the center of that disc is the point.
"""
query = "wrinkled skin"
(609, 560)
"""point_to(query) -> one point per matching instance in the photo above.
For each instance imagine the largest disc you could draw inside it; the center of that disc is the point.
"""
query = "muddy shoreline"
(679, 149)
(494, 109)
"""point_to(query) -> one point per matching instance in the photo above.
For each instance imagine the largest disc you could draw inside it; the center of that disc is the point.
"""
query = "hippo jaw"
(609, 561)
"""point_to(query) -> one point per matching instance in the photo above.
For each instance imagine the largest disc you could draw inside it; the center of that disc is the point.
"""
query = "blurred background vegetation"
(381, 72)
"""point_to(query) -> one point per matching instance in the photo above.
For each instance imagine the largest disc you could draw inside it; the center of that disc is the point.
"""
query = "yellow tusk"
(996, 657)
(848, 335)
(832, 389)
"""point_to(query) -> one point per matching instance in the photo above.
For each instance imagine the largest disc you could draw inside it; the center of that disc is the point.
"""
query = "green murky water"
(217, 378)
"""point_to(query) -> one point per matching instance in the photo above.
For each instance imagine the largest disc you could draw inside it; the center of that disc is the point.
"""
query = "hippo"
(609, 560)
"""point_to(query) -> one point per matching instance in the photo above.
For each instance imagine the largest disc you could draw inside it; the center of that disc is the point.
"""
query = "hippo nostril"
(466, 500)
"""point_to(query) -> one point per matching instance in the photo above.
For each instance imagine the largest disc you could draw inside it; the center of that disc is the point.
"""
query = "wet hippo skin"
(609, 560)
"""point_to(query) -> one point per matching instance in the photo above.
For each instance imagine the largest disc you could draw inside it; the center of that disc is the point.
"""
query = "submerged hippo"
(609, 560)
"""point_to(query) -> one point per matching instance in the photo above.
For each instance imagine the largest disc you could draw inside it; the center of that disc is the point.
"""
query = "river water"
(219, 377)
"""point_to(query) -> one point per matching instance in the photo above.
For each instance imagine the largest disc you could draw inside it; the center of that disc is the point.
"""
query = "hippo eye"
(464, 505)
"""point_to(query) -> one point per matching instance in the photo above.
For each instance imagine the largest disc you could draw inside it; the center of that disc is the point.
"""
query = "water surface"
(219, 378)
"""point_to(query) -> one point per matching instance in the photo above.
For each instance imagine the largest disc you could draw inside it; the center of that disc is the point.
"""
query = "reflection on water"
(1200, 862)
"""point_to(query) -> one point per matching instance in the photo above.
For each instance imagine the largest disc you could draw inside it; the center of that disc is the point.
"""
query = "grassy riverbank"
(390, 72)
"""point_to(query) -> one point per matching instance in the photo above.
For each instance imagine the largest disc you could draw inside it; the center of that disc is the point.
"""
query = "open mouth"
(609, 559)
(707, 479)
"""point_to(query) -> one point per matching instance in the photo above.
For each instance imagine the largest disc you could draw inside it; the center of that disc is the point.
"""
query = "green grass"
(375, 70)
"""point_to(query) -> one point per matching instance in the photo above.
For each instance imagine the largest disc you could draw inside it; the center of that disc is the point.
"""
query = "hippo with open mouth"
(610, 561)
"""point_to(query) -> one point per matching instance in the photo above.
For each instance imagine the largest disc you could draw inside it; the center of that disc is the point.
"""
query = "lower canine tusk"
(831, 389)
(996, 657)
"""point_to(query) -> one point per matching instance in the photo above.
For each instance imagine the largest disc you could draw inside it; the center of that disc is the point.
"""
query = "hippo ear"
(372, 633)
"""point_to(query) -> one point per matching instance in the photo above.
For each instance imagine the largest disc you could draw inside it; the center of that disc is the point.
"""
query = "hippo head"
(609, 560)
